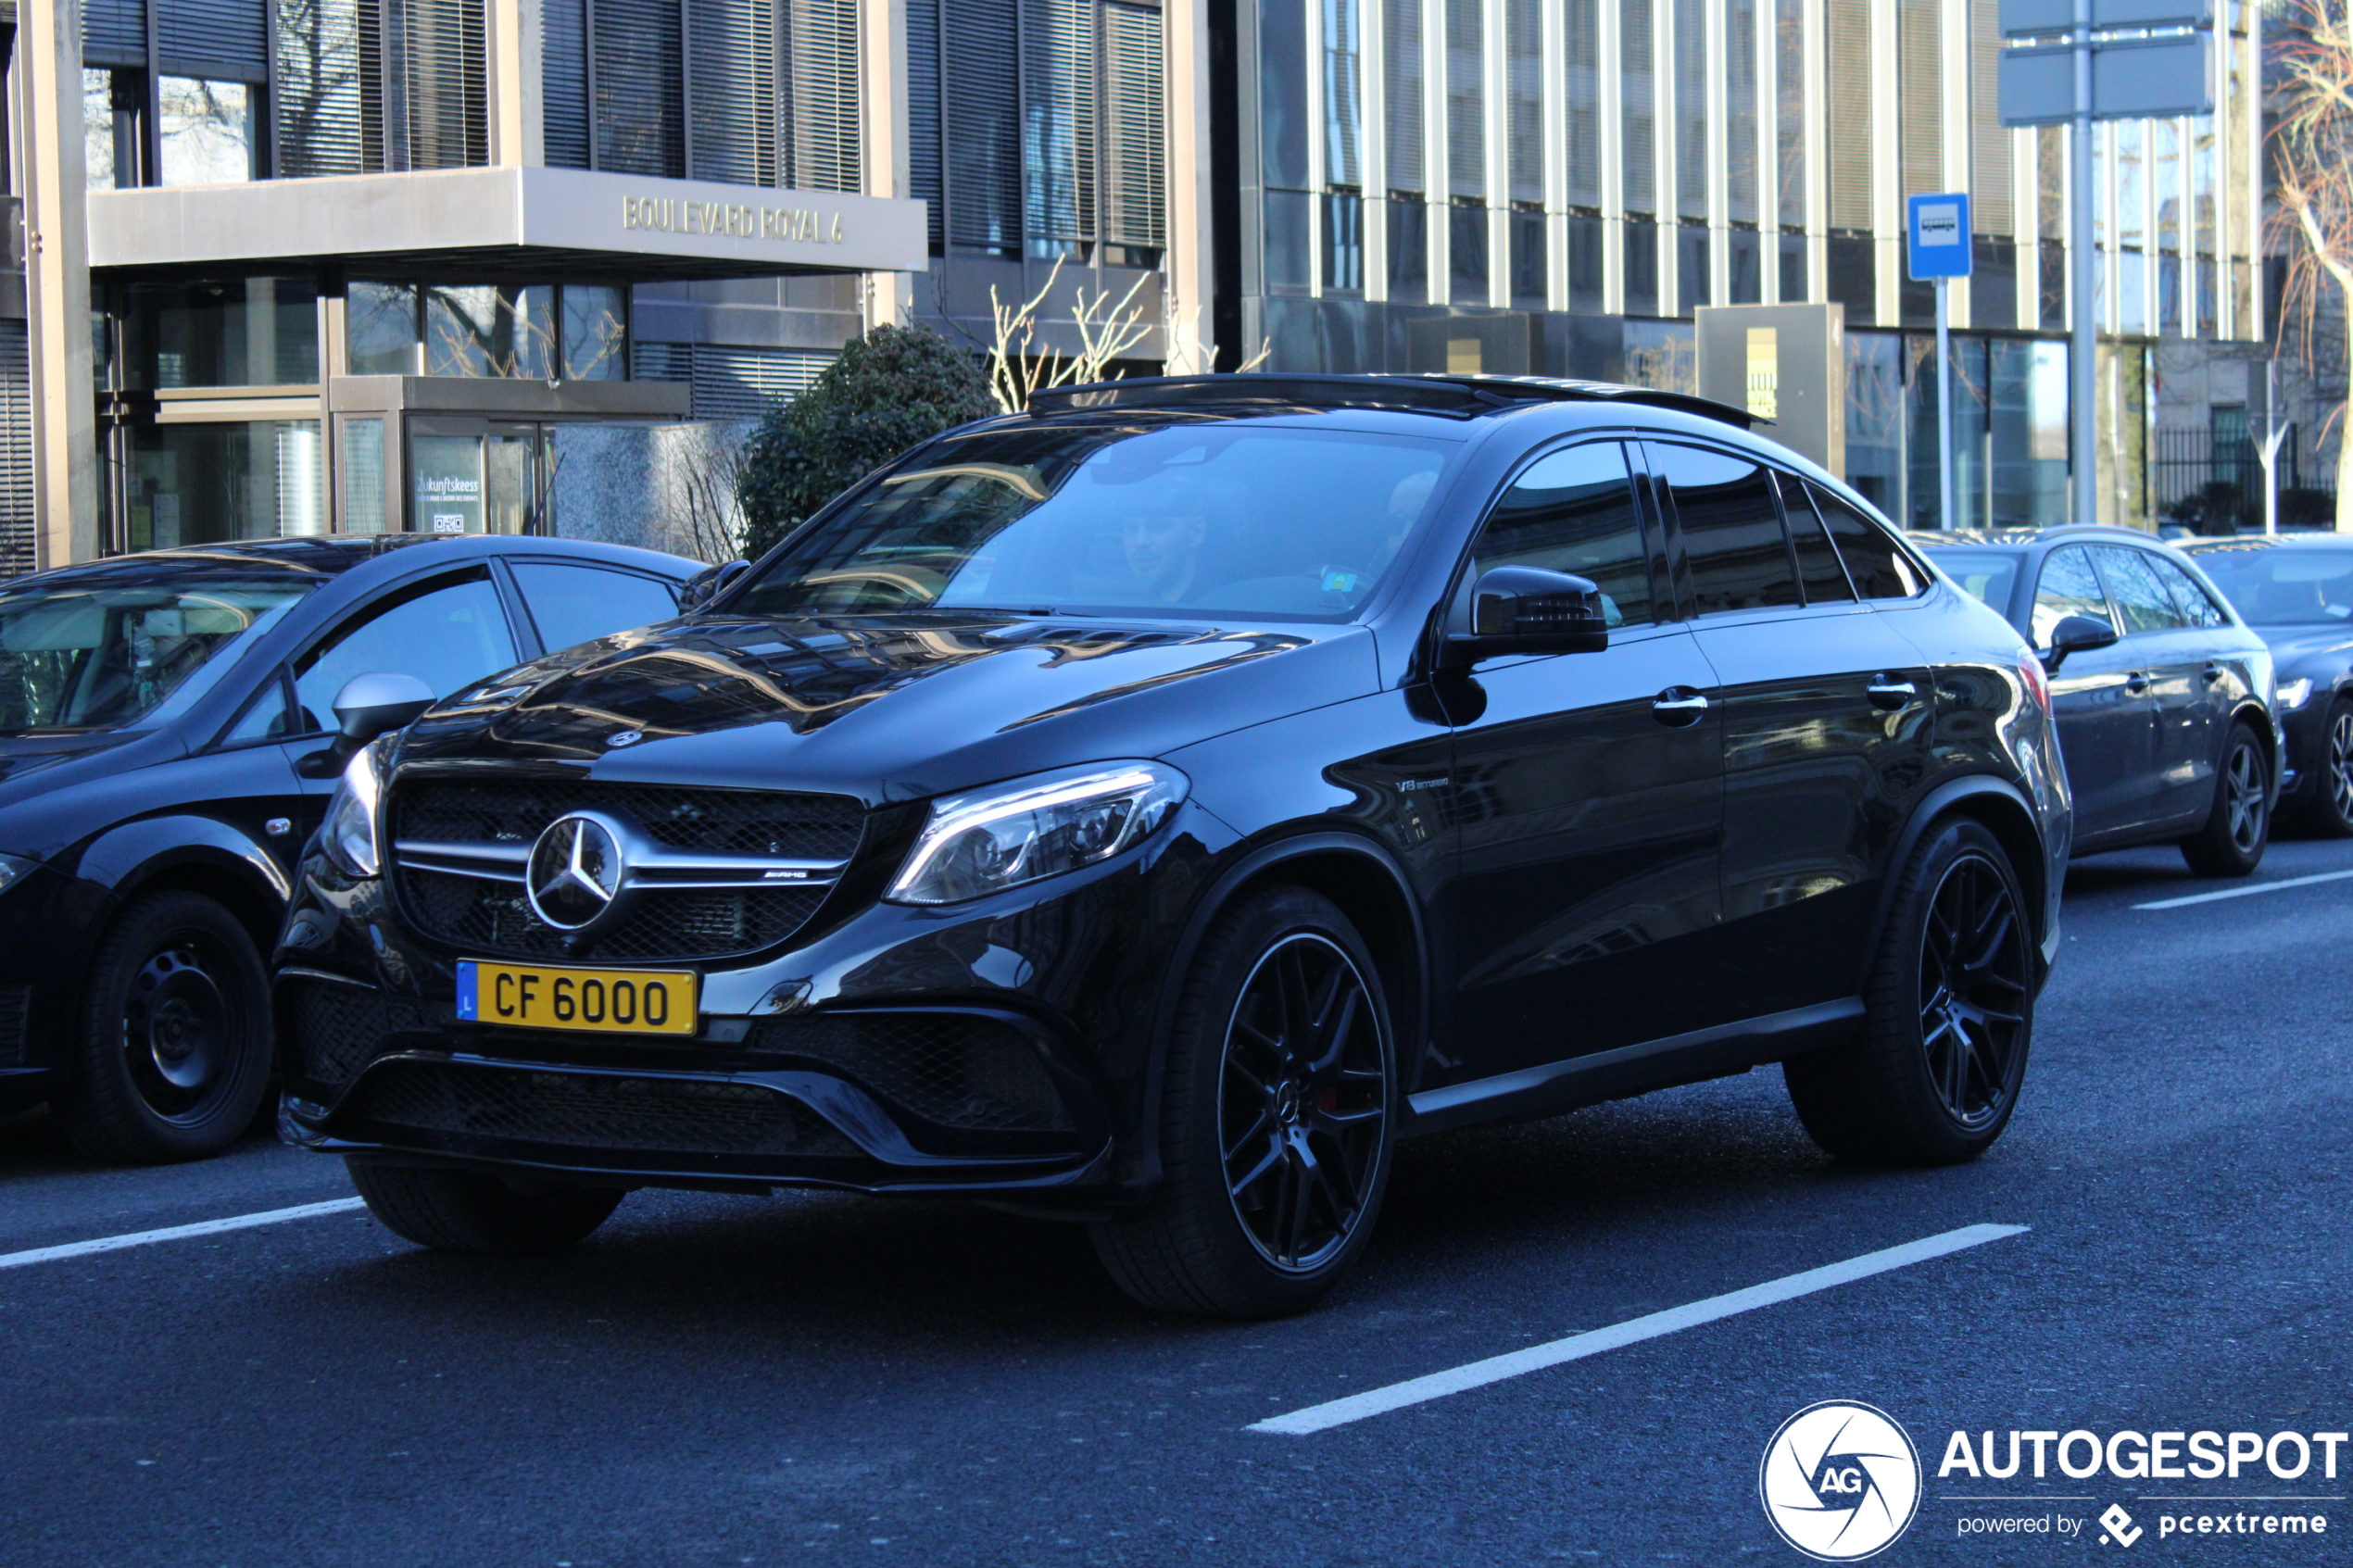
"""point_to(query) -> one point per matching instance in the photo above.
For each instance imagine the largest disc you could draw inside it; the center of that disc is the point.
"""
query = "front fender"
(122, 857)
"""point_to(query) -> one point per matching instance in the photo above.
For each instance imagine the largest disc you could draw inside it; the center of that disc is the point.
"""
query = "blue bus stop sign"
(1940, 236)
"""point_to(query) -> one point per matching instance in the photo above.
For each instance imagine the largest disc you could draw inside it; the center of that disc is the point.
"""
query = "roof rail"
(1433, 392)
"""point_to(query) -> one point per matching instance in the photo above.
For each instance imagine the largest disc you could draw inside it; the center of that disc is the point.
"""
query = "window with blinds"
(1058, 146)
(1402, 95)
(1465, 97)
(923, 144)
(639, 73)
(1846, 49)
(1789, 108)
(1639, 105)
(563, 82)
(316, 97)
(447, 99)
(822, 61)
(1739, 111)
(981, 109)
(114, 32)
(1992, 211)
(219, 39)
(1524, 80)
(1582, 56)
(731, 103)
(1690, 108)
(1135, 192)
(1920, 94)
(1343, 122)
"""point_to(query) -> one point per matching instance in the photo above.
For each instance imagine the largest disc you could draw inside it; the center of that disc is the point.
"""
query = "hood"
(892, 709)
(2305, 650)
(23, 757)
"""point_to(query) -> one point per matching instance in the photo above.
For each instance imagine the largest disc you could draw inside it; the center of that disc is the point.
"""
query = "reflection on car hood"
(889, 709)
(24, 754)
(2293, 647)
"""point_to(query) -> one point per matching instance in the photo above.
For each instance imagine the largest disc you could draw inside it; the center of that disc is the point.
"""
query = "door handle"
(2137, 682)
(1679, 707)
(1891, 693)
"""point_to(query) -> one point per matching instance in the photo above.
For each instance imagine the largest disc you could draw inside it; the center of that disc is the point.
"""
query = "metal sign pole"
(1943, 406)
(2081, 380)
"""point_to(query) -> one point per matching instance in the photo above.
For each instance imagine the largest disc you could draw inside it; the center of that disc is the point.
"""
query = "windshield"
(1159, 520)
(2271, 586)
(100, 657)
(1988, 574)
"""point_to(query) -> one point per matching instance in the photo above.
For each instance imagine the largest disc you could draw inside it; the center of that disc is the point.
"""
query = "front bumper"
(996, 1049)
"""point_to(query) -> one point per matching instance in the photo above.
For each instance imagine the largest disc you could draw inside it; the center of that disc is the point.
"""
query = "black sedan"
(2163, 694)
(2297, 590)
(165, 750)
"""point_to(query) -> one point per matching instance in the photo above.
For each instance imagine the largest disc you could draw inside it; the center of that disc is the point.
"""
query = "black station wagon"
(1147, 810)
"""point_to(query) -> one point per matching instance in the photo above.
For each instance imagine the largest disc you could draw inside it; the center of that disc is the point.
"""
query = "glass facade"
(208, 484)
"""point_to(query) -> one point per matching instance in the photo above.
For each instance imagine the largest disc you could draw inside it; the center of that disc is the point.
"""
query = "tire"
(1282, 1052)
(1934, 1072)
(2331, 810)
(173, 1056)
(465, 1212)
(2236, 830)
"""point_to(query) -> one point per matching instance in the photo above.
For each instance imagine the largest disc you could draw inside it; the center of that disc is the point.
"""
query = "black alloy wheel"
(1975, 972)
(1934, 1073)
(2238, 828)
(1302, 1101)
(2331, 809)
(1276, 1118)
(175, 1051)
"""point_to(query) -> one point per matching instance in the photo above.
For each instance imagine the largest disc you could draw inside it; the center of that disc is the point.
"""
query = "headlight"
(1035, 827)
(14, 869)
(2291, 695)
(348, 836)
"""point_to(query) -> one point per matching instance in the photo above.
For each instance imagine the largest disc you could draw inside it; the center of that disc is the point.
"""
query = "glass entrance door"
(476, 477)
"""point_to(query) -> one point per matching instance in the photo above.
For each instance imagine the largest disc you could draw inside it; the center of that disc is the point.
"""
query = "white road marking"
(1577, 1347)
(176, 1233)
(2245, 892)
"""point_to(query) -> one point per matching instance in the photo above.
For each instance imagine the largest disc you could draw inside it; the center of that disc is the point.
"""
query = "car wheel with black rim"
(2331, 809)
(1934, 1073)
(173, 1057)
(471, 1211)
(2239, 826)
(1277, 1107)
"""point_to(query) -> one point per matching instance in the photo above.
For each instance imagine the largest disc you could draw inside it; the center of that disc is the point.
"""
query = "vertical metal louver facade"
(1691, 162)
(1524, 83)
(20, 528)
(637, 65)
(1920, 94)
(1740, 111)
(447, 87)
(821, 52)
(731, 103)
(563, 82)
(318, 97)
(1789, 108)
(1847, 51)
(1638, 94)
(1992, 162)
(1582, 55)
(1343, 93)
(1403, 94)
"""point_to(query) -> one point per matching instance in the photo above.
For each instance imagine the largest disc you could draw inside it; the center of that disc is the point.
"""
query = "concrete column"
(1189, 262)
(518, 118)
(64, 452)
(882, 84)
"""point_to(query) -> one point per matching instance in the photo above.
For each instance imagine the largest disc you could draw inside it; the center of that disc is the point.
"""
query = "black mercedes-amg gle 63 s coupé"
(1148, 808)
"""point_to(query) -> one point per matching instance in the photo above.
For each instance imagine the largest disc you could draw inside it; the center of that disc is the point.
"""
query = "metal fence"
(2213, 481)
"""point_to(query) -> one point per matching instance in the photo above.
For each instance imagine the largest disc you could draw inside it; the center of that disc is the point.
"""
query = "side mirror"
(368, 706)
(1528, 609)
(2076, 633)
(706, 586)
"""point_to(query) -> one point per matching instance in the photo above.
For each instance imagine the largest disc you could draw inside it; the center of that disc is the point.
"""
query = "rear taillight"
(2038, 685)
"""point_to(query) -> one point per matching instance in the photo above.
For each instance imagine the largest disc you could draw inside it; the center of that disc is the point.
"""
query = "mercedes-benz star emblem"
(576, 873)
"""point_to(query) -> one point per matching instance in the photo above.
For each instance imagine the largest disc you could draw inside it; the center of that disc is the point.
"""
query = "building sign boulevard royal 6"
(731, 220)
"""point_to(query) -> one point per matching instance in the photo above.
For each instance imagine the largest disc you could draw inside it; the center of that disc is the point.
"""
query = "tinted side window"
(265, 717)
(1817, 568)
(446, 637)
(1877, 565)
(2139, 595)
(2199, 607)
(2068, 586)
(579, 604)
(1574, 511)
(1731, 529)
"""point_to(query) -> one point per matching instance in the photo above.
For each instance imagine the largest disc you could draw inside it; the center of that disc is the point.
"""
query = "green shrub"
(890, 389)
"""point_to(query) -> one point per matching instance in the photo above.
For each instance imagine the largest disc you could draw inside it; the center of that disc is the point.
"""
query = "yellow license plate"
(604, 1001)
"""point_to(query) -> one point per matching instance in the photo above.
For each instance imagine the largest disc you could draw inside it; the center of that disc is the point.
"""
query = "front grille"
(15, 1004)
(678, 1116)
(714, 822)
(972, 1074)
(337, 1030)
(492, 917)
(495, 917)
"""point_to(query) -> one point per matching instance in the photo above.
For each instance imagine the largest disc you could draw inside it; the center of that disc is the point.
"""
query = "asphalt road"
(730, 1381)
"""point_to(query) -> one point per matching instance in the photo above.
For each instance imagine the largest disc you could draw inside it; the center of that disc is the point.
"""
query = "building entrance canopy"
(512, 217)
